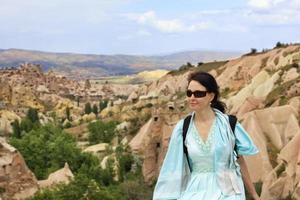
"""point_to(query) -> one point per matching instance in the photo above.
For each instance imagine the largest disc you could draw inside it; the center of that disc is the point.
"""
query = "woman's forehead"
(194, 85)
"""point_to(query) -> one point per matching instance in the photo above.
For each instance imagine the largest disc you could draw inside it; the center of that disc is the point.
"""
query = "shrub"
(87, 108)
(47, 149)
(101, 131)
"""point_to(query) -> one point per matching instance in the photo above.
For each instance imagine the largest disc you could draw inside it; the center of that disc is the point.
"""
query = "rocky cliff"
(263, 90)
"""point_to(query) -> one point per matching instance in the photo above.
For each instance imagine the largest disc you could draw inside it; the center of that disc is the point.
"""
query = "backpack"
(232, 122)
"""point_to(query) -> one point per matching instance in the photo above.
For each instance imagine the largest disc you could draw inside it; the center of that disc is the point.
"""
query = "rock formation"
(16, 180)
(63, 175)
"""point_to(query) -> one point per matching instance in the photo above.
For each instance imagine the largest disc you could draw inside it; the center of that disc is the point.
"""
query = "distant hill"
(92, 66)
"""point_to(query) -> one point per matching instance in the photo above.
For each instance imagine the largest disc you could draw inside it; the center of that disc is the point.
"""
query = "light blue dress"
(215, 173)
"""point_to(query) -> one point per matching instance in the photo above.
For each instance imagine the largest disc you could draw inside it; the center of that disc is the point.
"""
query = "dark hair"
(211, 85)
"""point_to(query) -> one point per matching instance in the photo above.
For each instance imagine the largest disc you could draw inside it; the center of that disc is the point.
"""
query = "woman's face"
(202, 102)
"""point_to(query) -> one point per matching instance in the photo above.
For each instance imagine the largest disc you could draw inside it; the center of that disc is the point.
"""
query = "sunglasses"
(197, 93)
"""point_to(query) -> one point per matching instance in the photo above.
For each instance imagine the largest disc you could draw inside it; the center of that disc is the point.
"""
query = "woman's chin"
(193, 106)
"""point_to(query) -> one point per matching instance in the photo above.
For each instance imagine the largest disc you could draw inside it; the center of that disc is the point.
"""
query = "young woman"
(216, 169)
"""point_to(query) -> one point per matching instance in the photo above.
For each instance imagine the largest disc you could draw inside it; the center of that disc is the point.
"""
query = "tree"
(26, 125)
(199, 64)
(253, 51)
(101, 132)
(187, 66)
(279, 44)
(88, 108)
(103, 104)
(47, 149)
(16, 129)
(77, 99)
(125, 160)
(32, 115)
(68, 114)
(80, 188)
(95, 109)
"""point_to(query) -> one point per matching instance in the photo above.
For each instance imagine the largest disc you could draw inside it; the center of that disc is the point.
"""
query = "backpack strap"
(186, 124)
(232, 122)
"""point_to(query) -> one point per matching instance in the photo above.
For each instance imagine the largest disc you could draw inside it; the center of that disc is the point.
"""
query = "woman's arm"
(246, 178)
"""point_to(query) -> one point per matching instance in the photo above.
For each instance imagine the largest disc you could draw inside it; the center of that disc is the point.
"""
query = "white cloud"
(168, 26)
(260, 3)
(268, 4)
(278, 17)
(274, 12)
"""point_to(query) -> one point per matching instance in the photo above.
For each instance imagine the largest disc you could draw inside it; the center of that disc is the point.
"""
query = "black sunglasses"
(197, 93)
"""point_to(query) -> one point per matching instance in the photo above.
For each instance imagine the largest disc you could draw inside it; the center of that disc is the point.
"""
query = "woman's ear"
(212, 96)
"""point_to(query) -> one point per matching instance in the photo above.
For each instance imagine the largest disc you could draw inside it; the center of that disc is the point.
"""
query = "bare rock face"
(240, 72)
(153, 138)
(165, 86)
(295, 103)
(63, 175)
(5, 92)
(271, 130)
(260, 86)
(251, 103)
(16, 180)
(284, 180)
(79, 132)
(5, 127)
(290, 75)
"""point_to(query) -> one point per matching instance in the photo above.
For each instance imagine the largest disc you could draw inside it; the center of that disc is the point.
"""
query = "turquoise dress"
(215, 173)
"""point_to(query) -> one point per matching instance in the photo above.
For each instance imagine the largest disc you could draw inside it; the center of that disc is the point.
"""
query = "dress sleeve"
(244, 143)
(174, 171)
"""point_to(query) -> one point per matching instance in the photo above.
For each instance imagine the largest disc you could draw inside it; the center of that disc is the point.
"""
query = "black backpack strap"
(186, 124)
(232, 122)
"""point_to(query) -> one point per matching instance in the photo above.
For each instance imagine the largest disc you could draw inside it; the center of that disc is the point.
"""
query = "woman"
(216, 169)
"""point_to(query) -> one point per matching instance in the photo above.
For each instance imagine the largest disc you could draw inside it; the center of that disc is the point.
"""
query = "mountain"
(92, 66)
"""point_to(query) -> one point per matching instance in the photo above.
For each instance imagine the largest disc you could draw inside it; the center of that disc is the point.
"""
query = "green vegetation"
(206, 67)
(140, 108)
(290, 66)
(276, 60)
(253, 51)
(182, 69)
(289, 197)
(31, 121)
(258, 188)
(264, 62)
(181, 94)
(68, 114)
(279, 93)
(272, 152)
(2, 190)
(225, 92)
(16, 129)
(95, 109)
(280, 170)
(47, 148)
(32, 115)
(125, 160)
(281, 45)
(87, 108)
(137, 123)
(101, 132)
(103, 104)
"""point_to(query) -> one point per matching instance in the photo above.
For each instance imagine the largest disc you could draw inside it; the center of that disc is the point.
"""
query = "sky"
(147, 27)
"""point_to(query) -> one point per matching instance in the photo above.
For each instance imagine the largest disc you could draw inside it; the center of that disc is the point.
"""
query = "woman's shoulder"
(180, 123)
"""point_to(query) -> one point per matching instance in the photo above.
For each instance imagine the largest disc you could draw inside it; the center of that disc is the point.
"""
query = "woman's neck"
(206, 114)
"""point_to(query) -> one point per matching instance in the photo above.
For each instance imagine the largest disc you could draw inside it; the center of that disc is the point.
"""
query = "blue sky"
(147, 27)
